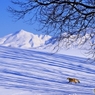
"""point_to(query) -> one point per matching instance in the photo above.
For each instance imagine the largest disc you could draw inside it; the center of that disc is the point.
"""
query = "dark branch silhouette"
(62, 18)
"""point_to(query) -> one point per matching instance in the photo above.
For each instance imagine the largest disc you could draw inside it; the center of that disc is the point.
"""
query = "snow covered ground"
(32, 72)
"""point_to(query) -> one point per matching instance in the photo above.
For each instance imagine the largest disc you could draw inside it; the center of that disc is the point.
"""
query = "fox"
(74, 80)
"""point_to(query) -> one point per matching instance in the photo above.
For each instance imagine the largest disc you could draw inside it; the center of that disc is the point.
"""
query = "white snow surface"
(24, 39)
(32, 72)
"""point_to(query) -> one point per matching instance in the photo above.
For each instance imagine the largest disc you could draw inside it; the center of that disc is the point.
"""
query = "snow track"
(41, 73)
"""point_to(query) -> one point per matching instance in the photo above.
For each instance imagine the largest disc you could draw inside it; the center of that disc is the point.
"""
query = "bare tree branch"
(59, 17)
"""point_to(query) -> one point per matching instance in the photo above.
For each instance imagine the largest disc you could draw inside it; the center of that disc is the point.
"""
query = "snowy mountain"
(24, 39)
(28, 40)
(32, 72)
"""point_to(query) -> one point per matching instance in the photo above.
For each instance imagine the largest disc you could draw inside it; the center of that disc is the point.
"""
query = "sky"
(7, 23)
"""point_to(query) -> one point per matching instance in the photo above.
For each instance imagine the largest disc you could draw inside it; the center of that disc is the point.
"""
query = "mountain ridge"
(27, 40)
(24, 39)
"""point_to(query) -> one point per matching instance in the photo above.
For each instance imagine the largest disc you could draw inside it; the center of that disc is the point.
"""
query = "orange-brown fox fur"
(73, 80)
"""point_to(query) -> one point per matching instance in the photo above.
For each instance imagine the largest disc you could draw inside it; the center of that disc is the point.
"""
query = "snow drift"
(32, 72)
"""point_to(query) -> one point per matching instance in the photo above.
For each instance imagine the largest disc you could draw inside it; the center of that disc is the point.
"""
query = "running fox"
(73, 80)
